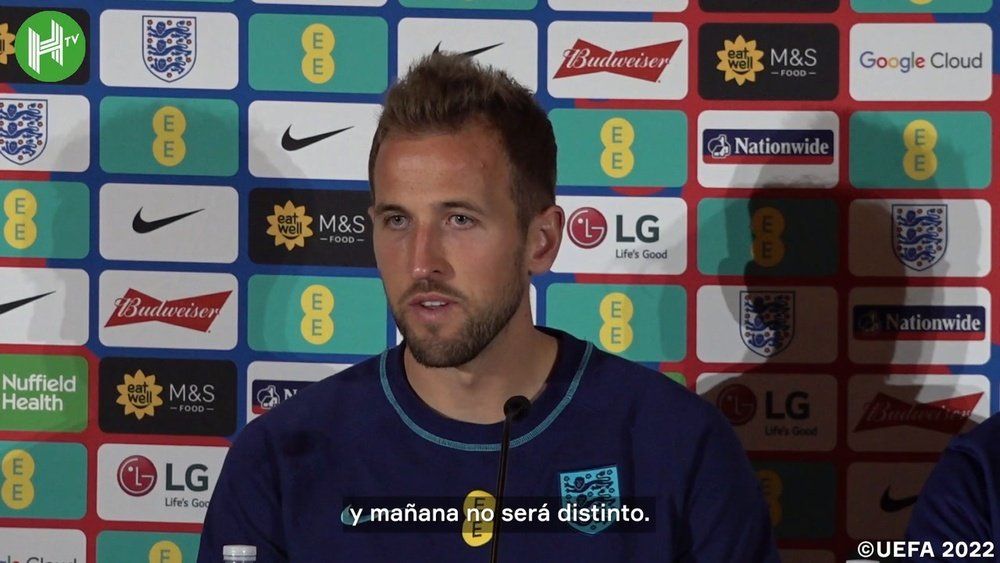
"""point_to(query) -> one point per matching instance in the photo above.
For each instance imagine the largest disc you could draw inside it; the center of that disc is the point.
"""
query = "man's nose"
(428, 259)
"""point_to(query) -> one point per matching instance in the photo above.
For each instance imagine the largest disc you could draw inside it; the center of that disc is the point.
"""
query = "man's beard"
(480, 328)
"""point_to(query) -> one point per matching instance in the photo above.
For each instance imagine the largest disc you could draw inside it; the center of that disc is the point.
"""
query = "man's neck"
(517, 362)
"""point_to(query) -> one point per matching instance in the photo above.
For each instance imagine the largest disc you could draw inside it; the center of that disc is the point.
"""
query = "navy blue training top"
(605, 432)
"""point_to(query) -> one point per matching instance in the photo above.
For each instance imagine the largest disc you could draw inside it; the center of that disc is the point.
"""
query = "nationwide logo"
(170, 46)
(920, 234)
(142, 226)
(195, 313)
(740, 60)
(292, 144)
(738, 403)
(643, 63)
(888, 503)
(472, 53)
(269, 393)
(6, 43)
(23, 129)
(140, 395)
(767, 322)
(768, 146)
(947, 415)
(920, 322)
(136, 475)
(290, 225)
(11, 305)
(587, 227)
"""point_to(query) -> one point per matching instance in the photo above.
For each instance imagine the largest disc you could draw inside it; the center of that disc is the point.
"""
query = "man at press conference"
(478, 407)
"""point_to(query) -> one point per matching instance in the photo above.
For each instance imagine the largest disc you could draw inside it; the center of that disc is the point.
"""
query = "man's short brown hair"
(444, 92)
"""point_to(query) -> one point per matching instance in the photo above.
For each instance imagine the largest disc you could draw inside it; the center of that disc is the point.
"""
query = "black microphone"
(516, 408)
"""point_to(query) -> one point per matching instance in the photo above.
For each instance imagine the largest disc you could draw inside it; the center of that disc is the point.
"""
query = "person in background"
(462, 173)
(960, 502)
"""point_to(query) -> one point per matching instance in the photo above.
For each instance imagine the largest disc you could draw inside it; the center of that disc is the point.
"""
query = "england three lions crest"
(586, 490)
(767, 321)
(919, 234)
(169, 46)
(23, 129)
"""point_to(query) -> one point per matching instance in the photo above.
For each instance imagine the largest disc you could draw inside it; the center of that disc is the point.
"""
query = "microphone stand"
(514, 409)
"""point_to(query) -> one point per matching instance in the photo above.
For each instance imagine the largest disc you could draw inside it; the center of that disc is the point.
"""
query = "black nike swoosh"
(471, 53)
(889, 504)
(142, 226)
(290, 143)
(5, 307)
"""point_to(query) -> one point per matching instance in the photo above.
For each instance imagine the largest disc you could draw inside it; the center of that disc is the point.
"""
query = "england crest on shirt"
(169, 46)
(919, 234)
(767, 321)
(588, 489)
(23, 129)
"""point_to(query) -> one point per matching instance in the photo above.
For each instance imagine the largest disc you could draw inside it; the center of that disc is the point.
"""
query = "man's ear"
(544, 237)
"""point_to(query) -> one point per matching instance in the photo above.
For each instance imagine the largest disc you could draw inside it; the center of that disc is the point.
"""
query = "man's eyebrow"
(383, 208)
(461, 205)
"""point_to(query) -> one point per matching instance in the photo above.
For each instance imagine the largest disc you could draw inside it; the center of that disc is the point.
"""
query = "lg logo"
(587, 228)
(137, 476)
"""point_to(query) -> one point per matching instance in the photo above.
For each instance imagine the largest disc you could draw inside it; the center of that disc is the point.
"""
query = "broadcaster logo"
(50, 46)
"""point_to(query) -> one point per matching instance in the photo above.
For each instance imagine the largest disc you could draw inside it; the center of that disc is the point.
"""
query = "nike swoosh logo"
(889, 504)
(142, 226)
(290, 143)
(10, 306)
(471, 53)
(347, 519)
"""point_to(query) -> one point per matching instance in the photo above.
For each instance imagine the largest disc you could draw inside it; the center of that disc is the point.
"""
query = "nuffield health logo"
(169, 46)
(23, 129)
(50, 46)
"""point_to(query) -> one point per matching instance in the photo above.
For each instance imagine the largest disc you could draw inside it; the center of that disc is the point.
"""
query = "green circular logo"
(50, 46)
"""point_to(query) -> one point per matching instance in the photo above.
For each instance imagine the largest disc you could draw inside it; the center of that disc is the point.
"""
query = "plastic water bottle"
(239, 554)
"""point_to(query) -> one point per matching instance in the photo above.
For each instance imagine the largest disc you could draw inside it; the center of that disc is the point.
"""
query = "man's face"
(447, 241)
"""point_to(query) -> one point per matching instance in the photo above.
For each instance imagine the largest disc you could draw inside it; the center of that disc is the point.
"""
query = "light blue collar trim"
(493, 447)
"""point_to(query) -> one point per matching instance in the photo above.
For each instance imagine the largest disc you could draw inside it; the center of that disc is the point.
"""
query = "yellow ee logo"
(17, 492)
(20, 207)
(318, 41)
(616, 312)
(479, 511)
(919, 137)
(767, 225)
(169, 125)
(165, 552)
(317, 304)
(617, 136)
(771, 486)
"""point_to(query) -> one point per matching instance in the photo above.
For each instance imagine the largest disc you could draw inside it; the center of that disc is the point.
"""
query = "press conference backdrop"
(783, 205)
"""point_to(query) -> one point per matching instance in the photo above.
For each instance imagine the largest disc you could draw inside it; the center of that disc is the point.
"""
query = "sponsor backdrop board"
(788, 212)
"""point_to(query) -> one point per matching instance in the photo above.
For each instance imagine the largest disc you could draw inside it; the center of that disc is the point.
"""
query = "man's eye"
(462, 220)
(395, 221)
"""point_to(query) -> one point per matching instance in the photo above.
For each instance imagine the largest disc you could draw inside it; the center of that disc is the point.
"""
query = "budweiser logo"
(196, 313)
(946, 415)
(645, 63)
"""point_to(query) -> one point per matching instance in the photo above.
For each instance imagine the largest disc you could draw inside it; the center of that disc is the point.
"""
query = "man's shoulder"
(616, 380)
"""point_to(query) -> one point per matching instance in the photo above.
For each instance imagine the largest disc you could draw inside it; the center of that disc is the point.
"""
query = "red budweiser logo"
(645, 63)
(196, 313)
(946, 415)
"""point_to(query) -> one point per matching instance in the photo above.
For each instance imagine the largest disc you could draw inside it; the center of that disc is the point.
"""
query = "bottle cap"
(239, 551)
